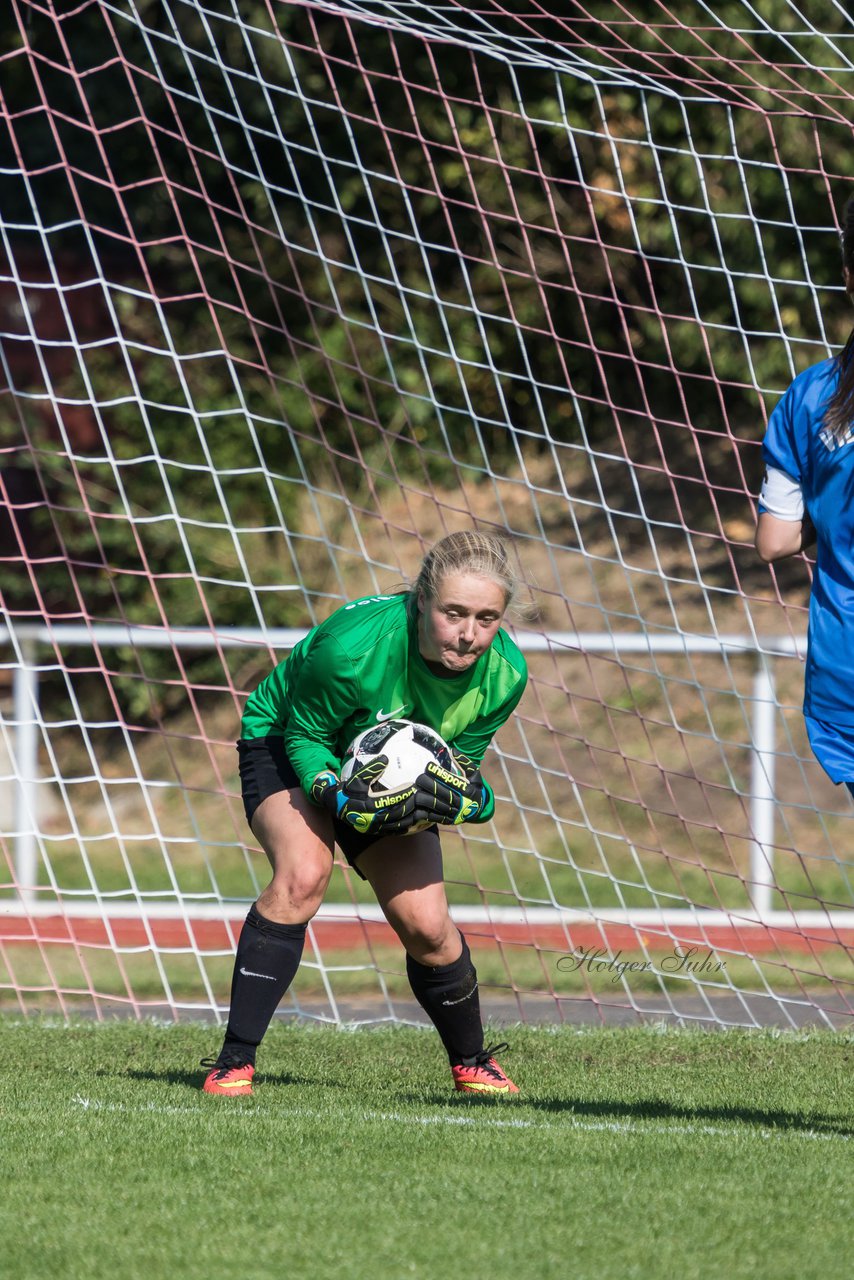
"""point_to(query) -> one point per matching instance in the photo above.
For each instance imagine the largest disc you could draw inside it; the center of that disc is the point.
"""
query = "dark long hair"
(839, 414)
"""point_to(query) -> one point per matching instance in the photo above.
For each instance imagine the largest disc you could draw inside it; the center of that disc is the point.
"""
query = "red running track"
(346, 934)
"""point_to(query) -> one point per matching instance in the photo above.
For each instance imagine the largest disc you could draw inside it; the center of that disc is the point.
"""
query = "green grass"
(630, 1154)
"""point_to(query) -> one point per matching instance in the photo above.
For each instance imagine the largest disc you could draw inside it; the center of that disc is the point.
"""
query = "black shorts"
(265, 769)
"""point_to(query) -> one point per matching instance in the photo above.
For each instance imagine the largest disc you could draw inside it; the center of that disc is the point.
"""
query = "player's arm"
(325, 696)
(782, 528)
(776, 539)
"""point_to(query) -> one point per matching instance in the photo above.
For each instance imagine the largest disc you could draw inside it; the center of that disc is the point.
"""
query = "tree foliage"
(326, 253)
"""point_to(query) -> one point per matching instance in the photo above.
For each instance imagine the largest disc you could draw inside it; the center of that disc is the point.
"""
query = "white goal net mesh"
(287, 291)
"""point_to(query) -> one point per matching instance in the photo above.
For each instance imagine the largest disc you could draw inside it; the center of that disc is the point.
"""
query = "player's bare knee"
(295, 897)
(433, 941)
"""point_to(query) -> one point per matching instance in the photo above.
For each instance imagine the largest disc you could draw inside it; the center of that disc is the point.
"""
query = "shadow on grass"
(194, 1078)
(614, 1112)
(607, 1112)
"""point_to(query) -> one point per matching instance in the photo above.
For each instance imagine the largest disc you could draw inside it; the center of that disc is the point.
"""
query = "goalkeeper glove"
(448, 798)
(350, 801)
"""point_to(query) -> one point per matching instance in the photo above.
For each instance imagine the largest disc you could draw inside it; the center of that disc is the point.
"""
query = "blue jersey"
(798, 443)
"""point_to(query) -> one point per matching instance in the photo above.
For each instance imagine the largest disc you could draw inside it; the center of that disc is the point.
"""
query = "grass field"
(630, 1153)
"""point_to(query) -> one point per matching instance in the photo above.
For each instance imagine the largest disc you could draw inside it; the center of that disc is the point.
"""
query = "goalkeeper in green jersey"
(436, 655)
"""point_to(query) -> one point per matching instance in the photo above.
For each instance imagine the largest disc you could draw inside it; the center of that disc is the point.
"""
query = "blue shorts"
(833, 747)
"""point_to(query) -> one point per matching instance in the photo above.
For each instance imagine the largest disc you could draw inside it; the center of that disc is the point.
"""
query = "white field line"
(482, 1122)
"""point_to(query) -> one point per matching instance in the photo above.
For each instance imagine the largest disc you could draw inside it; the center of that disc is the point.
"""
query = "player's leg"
(405, 873)
(297, 838)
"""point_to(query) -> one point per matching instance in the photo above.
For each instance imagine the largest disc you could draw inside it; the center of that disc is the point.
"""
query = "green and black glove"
(352, 803)
(449, 799)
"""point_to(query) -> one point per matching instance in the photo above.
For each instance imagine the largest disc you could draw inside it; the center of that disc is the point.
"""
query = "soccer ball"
(409, 748)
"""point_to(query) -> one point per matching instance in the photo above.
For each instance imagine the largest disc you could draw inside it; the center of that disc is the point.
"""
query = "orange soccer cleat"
(482, 1074)
(230, 1075)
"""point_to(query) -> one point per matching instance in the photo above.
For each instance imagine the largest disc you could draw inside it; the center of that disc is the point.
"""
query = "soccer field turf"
(630, 1153)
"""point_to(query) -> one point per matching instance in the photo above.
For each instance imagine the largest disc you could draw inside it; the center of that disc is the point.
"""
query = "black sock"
(268, 956)
(448, 995)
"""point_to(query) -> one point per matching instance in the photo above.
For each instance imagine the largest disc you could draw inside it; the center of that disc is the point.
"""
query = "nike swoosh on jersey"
(247, 973)
(389, 715)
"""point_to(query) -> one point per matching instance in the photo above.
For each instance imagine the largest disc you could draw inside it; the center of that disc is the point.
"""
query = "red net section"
(287, 292)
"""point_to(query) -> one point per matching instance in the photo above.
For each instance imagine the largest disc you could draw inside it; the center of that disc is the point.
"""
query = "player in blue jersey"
(437, 655)
(808, 491)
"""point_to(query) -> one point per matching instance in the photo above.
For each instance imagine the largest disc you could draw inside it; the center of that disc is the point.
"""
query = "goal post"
(287, 291)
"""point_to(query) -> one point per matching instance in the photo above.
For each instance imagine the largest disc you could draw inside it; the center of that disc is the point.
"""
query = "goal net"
(288, 291)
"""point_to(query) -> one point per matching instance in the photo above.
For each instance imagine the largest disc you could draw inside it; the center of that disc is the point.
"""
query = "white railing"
(25, 639)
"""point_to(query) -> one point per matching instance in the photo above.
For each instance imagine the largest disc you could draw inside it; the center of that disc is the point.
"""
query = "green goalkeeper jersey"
(363, 665)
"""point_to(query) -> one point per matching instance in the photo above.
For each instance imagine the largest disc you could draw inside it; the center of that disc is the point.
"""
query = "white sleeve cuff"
(781, 496)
